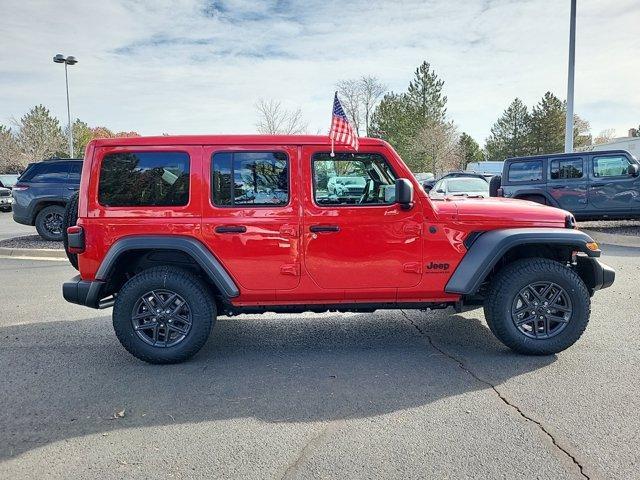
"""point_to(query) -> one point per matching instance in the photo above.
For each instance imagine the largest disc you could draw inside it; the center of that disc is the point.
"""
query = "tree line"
(38, 135)
(415, 122)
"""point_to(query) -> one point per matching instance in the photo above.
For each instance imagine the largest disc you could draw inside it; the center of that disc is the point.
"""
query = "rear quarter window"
(47, 172)
(527, 171)
(144, 179)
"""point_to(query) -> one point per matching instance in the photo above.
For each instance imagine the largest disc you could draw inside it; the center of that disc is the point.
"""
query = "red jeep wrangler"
(173, 231)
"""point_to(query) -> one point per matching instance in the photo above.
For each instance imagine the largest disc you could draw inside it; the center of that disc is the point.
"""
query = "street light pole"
(59, 58)
(66, 81)
(568, 133)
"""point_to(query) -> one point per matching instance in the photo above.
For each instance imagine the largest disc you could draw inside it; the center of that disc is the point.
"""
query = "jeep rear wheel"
(163, 315)
(49, 223)
(537, 306)
(69, 220)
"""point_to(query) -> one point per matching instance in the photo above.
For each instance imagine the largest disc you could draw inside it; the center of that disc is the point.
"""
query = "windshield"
(464, 185)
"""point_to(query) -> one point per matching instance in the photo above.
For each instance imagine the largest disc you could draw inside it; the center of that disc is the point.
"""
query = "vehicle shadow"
(69, 379)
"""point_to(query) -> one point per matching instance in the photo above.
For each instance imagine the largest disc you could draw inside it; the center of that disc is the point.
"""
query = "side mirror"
(633, 170)
(404, 193)
(427, 186)
(440, 191)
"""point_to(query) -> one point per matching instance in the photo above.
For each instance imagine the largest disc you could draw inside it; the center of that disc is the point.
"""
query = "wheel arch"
(43, 203)
(493, 249)
(132, 254)
(536, 193)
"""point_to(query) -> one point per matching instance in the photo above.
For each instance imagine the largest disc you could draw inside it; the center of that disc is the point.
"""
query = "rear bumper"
(82, 292)
(595, 274)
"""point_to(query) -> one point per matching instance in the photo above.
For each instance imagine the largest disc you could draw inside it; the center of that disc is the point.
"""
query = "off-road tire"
(69, 220)
(515, 276)
(188, 286)
(41, 219)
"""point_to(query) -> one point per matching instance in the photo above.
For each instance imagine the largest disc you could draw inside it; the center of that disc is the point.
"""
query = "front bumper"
(83, 292)
(595, 274)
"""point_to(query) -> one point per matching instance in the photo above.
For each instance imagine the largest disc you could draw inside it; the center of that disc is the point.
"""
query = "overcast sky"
(199, 66)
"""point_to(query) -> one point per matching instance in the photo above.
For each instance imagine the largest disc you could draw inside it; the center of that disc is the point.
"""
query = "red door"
(354, 236)
(250, 218)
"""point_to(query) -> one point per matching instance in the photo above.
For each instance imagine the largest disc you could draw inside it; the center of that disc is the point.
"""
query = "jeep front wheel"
(163, 315)
(537, 306)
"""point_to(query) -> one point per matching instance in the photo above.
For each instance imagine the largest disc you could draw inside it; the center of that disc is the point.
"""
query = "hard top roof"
(228, 140)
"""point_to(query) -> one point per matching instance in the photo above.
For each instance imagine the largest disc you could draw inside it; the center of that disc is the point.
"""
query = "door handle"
(75, 189)
(324, 228)
(594, 185)
(231, 229)
(558, 187)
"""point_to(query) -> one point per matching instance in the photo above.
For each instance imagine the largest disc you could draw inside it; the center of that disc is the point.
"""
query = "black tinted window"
(134, 179)
(250, 178)
(47, 172)
(352, 179)
(565, 169)
(526, 171)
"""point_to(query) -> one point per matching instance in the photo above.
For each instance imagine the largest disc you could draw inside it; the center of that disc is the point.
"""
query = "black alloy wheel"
(541, 310)
(161, 318)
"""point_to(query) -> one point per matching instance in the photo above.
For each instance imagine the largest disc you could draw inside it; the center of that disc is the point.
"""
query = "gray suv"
(42, 192)
(591, 185)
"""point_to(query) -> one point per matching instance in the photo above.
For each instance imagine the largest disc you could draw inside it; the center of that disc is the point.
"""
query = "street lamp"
(59, 58)
(568, 131)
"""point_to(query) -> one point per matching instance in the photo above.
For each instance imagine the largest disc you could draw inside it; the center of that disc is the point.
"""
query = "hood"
(498, 210)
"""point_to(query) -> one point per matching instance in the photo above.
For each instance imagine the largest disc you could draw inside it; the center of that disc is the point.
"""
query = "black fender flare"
(541, 193)
(214, 270)
(489, 247)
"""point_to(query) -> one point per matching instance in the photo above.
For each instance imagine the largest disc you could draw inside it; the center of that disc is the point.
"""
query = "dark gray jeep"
(42, 192)
(591, 185)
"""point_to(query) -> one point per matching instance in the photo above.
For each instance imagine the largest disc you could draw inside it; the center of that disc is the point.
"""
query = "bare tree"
(437, 147)
(274, 119)
(359, 98)
(350, 94)
(372, 91)
(605, 136)
(11, 159)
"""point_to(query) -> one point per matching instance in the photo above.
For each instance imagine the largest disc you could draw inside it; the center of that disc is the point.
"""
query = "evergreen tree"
(510, 134)
(425, 95)
(39, 135)
(469, 149)
(410, 120)
(547, 125)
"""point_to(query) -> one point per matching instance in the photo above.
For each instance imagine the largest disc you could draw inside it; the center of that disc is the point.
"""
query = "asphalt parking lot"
(386, 395)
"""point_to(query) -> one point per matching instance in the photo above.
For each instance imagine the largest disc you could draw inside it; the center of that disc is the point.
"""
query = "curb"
(612, 239)
(43, 253)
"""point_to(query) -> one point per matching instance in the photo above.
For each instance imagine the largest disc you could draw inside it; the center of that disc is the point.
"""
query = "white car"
(346, 186)
(460, 186)
(6, 200)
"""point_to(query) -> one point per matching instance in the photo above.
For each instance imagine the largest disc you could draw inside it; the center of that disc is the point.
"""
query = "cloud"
(199, 66)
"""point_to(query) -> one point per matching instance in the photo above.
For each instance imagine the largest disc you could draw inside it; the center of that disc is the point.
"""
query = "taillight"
(19, 187)
(75, 242)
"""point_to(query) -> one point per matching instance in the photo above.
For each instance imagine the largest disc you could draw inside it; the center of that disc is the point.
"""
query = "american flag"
(341, 130)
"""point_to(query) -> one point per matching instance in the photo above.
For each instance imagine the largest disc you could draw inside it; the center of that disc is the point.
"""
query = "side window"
(137, 179)
(529, 171)
(610, 166)
(352, 179)
(74, 172)
(49, 172)
(566, 169)
(250, 178)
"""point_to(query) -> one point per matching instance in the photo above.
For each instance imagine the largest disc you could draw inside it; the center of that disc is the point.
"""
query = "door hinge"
(290, 269)
(412, 267)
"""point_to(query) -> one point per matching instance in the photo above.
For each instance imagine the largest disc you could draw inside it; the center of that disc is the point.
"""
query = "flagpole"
(332, 154)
